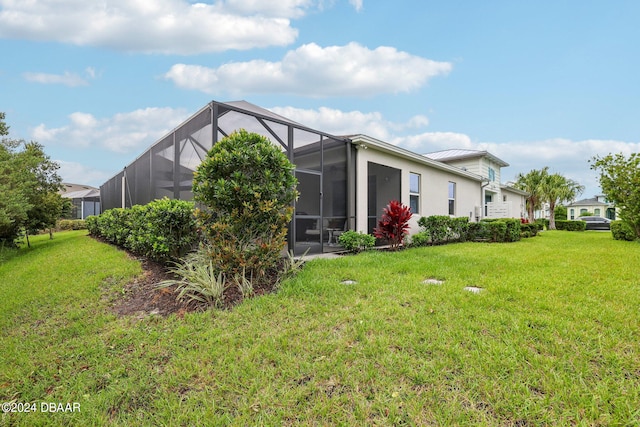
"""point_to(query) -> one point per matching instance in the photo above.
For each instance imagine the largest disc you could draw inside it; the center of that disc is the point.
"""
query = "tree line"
(29, 186)
(619, 178)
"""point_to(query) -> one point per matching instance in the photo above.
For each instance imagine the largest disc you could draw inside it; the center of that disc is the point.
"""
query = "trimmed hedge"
(529, 229)
(622, 231)
(571, 225)
(71, 224)
(162, 230)
(440, 229)
(356, 241)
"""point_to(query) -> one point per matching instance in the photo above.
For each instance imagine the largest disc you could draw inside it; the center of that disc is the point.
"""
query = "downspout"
(482, 187)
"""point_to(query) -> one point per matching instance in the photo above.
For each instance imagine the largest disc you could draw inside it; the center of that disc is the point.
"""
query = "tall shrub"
(622, 231)
(247, 187)
(394, 224)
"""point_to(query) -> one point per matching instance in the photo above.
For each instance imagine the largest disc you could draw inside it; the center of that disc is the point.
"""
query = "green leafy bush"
(92, 225)
(162, 230)
(571, 225)
(71, 224)
(512, 232)
(421, 238)
(543, 223)
(247, 187)
(529, 229)
(622, 231)
(494, 230)
(356, 241)
(443, 229)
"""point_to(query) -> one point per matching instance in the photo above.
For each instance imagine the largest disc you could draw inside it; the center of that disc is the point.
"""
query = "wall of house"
(434, 188)
(515, 204)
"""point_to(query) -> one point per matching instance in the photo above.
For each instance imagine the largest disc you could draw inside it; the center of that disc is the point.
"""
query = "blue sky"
(545, 83)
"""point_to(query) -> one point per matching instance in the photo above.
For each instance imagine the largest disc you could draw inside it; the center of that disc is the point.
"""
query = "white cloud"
(311, 70)
(163, 26)
(433, 141)
(67, 79)
(123, 133)
(339, 122)
(357, 4)
(78, 173)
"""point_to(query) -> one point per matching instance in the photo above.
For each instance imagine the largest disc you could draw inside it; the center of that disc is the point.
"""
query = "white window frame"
(451, 197)
(413, 193)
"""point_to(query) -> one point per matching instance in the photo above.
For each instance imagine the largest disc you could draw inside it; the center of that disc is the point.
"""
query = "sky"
(546, 83)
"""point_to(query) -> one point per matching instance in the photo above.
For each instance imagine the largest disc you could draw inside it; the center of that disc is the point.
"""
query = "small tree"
(620, 182)
(557, 189)
(394, 224)
(247, 186)
(27, 178)
(532, 183)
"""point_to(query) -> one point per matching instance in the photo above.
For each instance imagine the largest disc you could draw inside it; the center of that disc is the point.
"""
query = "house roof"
(68, 188)
(513, 190)
(588, 202)
(461, 154)
(82, 194)
(366, 141)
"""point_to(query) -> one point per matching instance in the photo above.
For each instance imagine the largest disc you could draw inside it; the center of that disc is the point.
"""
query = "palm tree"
(558, 189)
(532, 184)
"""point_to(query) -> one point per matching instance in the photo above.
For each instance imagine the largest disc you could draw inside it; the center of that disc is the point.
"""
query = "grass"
(554, 339)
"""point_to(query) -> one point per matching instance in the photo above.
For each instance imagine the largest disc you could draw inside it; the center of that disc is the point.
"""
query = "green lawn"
(554, 339)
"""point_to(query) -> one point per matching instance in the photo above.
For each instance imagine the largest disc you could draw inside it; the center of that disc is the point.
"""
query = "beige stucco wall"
(516, 202)
(434, 187)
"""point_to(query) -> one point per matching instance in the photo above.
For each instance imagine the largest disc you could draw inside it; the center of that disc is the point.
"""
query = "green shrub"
(92, 225)
(356, 241)
(443, 229)
(622, 231)
(420, 239)
(512, 232)
(71, 224)
(247, 186)
(162, 230)
(543, 223)
(529, 229)
(571, 225)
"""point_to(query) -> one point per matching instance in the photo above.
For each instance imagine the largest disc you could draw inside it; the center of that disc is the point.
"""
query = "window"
(596, 212)
(414, 193)
(492, 175)
(452, 198)
(573, 213)
(504, 198)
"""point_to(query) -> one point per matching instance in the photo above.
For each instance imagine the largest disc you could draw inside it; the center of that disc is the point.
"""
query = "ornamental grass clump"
(198, 281)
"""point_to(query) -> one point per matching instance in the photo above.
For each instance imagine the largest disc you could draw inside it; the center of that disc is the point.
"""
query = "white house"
(344, 182)
(497, 200)
(596, 206)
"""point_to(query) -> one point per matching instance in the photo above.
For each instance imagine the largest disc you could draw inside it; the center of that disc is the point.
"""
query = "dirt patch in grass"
(142, 297)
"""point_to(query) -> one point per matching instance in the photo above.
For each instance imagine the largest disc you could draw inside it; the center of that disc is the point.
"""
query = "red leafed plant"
(394, 225)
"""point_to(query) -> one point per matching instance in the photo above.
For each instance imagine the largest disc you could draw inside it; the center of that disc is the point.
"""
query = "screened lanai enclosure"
(324, 166)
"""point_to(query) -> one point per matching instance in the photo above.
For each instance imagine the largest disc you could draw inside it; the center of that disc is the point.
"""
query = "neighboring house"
(344, 182)
(596, 206)
(85, 200)
(497, 200)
